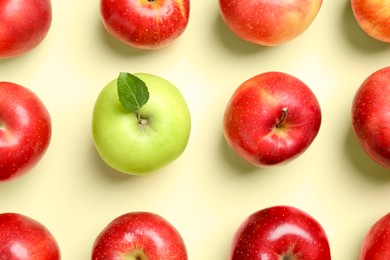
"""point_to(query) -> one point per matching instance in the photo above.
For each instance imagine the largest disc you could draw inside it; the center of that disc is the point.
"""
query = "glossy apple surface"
(25, 130)
(271, 119)
(280, 232)
(370, 120)
(376, 244)
(132, 147)
(145, 24)
(23, 238)
(373, 16)
(23, 25)
(266, 22)
(140, 236)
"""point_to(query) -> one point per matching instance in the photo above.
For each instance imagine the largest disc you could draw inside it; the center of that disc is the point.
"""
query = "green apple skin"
(134, 148)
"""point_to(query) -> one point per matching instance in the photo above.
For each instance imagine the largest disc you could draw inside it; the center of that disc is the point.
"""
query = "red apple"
(373, 16)
(268, 22)
(280, 232)
(22, 237)
(370, 119)
(23, 25)
(376, 244)
(271, 119)
(25, 130)
(141, 236)
(145, 24)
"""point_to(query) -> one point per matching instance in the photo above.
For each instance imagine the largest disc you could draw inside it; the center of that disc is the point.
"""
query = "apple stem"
(141, 120)
(282, 118)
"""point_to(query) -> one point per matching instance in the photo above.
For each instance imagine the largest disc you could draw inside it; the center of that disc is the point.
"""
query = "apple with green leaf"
(145, 24)
(141, 123)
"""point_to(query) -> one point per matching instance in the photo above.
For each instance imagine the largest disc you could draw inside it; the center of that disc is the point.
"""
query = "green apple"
(140, 123)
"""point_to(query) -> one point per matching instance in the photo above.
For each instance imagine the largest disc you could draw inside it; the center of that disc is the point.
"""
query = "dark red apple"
(140, 236)
(25, 130)
(23, 25)
(376, 245)
(145, 24)
(280, 233)
(370, 117)
(271, 119)
(23, 238)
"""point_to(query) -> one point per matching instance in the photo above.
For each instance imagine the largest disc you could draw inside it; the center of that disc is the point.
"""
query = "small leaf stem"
(282, 118)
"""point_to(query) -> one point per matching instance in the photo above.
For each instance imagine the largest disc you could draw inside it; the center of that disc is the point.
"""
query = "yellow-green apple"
(145, 24)
(25, 130)
(373, 16)
(271, 119)
(280, 232)
(375, 245)
(370, 120)
(140, 123)
(266, 22)
(139, 236)
(23, 238)
(23, 25)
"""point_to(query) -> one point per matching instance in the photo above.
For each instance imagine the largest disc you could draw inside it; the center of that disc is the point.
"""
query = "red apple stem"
(282, 118)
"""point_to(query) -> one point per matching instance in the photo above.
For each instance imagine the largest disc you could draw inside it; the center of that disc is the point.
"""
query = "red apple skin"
(252, 119)
(376, 243)
(373, 16)
(280, 232)
(269, 23)
(139, 235)
(25, 130)
(370, 120)
(24, 24)
(145, 24)
(23, 238)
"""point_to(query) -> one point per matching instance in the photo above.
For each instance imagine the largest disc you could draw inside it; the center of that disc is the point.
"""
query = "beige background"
(208, 191)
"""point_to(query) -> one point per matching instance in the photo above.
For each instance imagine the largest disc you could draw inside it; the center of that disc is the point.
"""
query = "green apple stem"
(141, 121)
(282, 118)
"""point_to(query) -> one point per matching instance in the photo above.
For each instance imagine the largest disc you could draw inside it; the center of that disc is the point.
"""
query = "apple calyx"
(282, 118)
(136, 254)
(288, 257)
(149, 3)
(133, 94)
(289, 254)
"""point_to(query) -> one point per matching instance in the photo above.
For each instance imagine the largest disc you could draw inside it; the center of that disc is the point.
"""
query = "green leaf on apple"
(132, 91)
